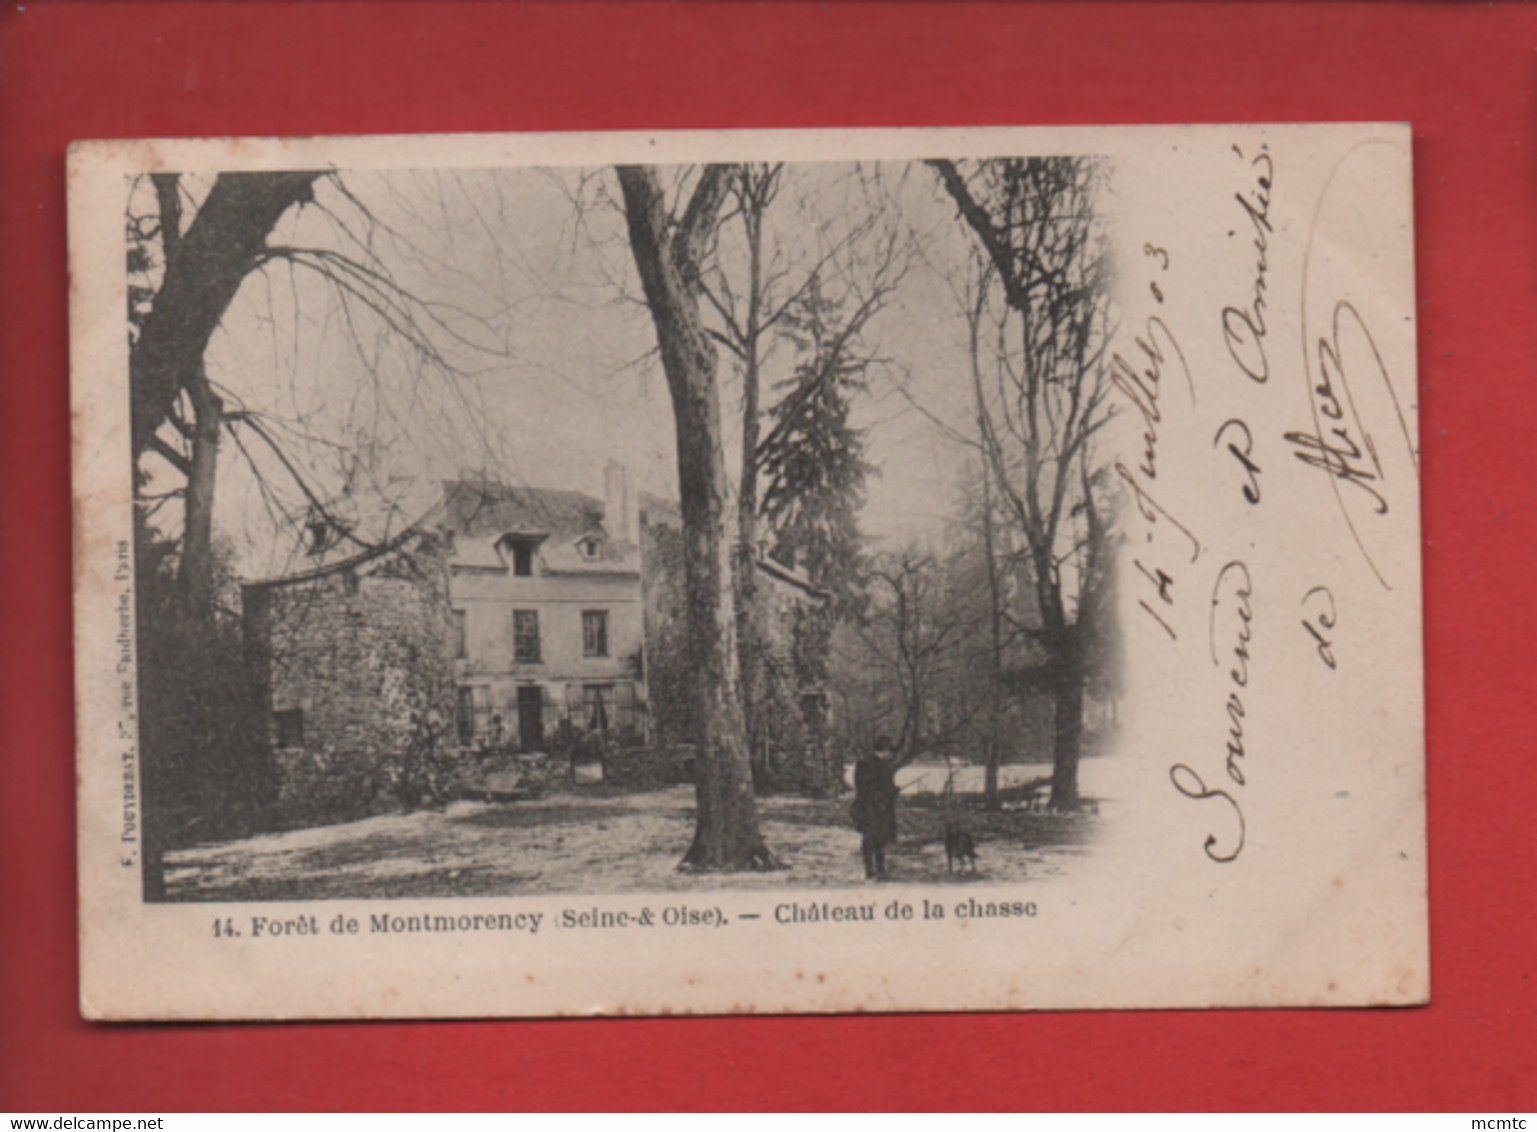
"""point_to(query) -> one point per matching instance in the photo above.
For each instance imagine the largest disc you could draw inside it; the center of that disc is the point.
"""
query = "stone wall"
(354, 670)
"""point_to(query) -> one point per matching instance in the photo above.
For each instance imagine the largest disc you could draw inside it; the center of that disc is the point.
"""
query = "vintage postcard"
(747, 572)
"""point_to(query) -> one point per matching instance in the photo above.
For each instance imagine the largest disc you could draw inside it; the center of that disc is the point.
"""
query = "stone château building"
(545, 597)
(507, 618)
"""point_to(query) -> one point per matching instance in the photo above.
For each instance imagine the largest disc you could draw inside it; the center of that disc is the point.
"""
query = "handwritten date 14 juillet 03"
(1155, 352)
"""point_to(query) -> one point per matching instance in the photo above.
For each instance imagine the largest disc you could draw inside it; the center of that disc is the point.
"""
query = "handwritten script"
(1341, 445)
(1232, 617)
(1243, 326)
(1262, 518)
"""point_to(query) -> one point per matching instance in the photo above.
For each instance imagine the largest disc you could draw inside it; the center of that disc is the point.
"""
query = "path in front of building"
(595, 841)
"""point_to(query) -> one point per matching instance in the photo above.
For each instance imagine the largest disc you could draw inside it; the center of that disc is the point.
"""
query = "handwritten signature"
(1341, 446)
(1351, 395)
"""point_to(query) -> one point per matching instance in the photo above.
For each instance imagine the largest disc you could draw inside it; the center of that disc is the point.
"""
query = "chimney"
(618, 503)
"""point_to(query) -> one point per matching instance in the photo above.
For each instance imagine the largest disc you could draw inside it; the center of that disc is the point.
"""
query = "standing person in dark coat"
(875, 806)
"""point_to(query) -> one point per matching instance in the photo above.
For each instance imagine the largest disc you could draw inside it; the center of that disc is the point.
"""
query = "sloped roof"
(481, 513)
(483, 508)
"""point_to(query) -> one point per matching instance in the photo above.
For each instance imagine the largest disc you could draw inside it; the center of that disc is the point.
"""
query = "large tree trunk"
(668, 259)
(1067, 736)
(995, 653)
(208, 265)
(1033, 227)
(203, 270)
(194, 575)
(1066, 687)
(748, 644)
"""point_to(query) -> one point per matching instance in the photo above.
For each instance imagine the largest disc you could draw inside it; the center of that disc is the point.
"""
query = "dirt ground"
(599, 840)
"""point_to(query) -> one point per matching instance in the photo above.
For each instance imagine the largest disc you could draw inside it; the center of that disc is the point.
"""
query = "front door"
(530, 717)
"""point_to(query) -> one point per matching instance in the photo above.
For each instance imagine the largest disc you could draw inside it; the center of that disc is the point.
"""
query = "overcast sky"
(531, 296)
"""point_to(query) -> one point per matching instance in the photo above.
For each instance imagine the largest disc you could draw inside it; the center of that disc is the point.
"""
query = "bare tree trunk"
(1066, 687)
(208, 265)
(909, 619)
(995, 669)
(747, 499)
(1067, 735)
(168, 196)
(1034, 227)
(194, 574)
(667, 257)
(204, 268)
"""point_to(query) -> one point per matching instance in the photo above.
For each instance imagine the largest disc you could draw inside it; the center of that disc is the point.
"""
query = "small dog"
(959, 846)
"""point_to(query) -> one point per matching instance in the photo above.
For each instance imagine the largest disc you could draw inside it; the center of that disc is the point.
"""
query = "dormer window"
(588, 548)
(521, 551)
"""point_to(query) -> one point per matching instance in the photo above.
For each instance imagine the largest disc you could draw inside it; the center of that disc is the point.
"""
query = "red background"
(1463, 75)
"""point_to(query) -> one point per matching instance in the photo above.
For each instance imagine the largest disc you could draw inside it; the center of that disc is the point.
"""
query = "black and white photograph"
(781, 543)
(536, 530)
